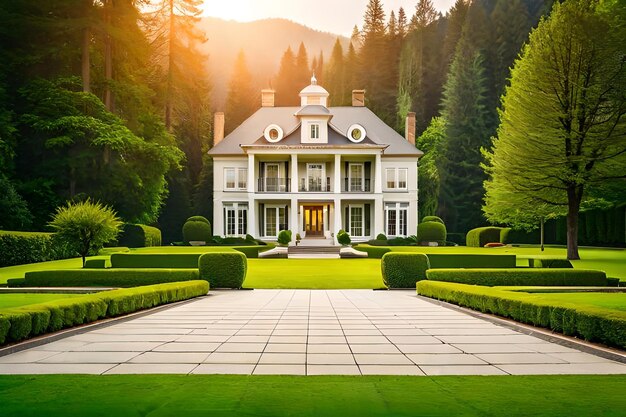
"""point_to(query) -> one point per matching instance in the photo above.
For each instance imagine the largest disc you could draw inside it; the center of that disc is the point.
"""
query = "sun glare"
(240, 10)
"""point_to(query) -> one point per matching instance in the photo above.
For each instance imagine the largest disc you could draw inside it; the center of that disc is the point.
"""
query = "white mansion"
(315, 170)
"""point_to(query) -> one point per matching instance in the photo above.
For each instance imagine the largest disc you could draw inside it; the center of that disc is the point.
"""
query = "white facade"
(313, 178)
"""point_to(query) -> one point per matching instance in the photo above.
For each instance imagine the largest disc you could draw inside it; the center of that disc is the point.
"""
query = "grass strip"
(363, 396)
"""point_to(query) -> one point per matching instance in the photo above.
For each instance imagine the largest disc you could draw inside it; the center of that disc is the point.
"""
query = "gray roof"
(378, 133)
(313, 110)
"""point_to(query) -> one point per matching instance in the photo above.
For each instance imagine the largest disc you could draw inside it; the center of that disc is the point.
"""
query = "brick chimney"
(358, 98)
(409, 128)
(267, 98)
(218, 128)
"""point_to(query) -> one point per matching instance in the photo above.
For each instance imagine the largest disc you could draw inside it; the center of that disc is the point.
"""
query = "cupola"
(314, 94)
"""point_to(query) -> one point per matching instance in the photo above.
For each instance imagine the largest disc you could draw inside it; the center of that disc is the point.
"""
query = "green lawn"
(314, 273)
(17, 300)
(347, 273)
(232, 395)
(18, 271)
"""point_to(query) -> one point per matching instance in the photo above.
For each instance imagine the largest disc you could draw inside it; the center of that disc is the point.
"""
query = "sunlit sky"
(335, 16)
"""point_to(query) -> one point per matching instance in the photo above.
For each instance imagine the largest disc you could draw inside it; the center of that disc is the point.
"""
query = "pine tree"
(454, 30)
(373, 77)
(178, 35)
(335, 75)
(303, 72)
(402, 23)
(242, 99)
(466, 114)
(287, 81)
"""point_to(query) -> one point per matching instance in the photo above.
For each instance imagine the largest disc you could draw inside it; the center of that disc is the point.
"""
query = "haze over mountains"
(264, 42)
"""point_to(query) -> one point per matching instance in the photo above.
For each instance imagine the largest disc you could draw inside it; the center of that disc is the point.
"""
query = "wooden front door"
(314, 220)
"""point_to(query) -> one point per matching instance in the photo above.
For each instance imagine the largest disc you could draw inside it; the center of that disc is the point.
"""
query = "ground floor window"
(235, 219)
(275, 219)
(396, 216)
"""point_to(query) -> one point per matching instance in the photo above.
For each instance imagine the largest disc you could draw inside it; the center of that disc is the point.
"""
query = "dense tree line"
(101, 99)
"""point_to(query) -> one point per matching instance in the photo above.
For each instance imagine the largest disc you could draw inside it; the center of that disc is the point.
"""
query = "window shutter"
(367, 218)
(346, 220)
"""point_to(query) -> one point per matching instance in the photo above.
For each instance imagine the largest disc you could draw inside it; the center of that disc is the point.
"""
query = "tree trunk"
(170, 66)
(108, 70)
(85, 64)
(542, 234)
(574, 197)
(108, 57)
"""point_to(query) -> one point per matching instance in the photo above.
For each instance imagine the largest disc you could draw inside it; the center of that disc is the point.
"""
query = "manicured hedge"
(197, 230)
(139, 236)
(155, 260)
(97, 263)
(431, 232)
(223, 270)
(373, 251)
(520, 276)
(432, 219)
(549, 263)
(110, 277)
(32, 320)
(17, 248)
(403, 270)
(480, 236)
(454, 260)
(592, 323)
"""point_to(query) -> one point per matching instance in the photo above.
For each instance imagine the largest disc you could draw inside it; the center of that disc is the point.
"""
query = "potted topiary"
(298, 238)
(343, 238)
(197, 231)
(284, 237)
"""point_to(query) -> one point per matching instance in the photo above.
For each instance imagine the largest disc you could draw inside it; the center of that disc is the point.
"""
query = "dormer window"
(356, 133)
(315, 130)
(273, 133)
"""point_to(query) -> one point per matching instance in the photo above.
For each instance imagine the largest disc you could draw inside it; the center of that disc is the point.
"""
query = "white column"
(251, 176)
(252, 219)
(337, 219)
(293, 217)
(378, 182)
(218, 218)
(379, 216)
(294, 173)
(337, 171)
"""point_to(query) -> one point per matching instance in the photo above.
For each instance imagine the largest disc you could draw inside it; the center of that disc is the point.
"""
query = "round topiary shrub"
(196, 231)
(381, 236)
(427, 219)
(199, 219)
(403, 270)
(343, 238)
(284, 237)
(431, 232)
(223, 269)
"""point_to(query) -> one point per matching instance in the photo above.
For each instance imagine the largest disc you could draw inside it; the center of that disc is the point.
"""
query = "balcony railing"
(315, 185)
(356, 185)
(274, 185)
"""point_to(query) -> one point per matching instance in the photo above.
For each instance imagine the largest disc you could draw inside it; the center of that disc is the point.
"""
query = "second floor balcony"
(274, 185)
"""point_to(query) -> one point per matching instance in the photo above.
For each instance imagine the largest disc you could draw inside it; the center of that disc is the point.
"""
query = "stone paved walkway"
(302, 332)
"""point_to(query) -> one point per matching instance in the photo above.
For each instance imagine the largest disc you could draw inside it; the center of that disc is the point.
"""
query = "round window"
(356, 133)
(273, 133)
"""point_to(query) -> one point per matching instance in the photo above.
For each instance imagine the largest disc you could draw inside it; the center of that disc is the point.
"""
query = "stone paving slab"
(307, 332)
